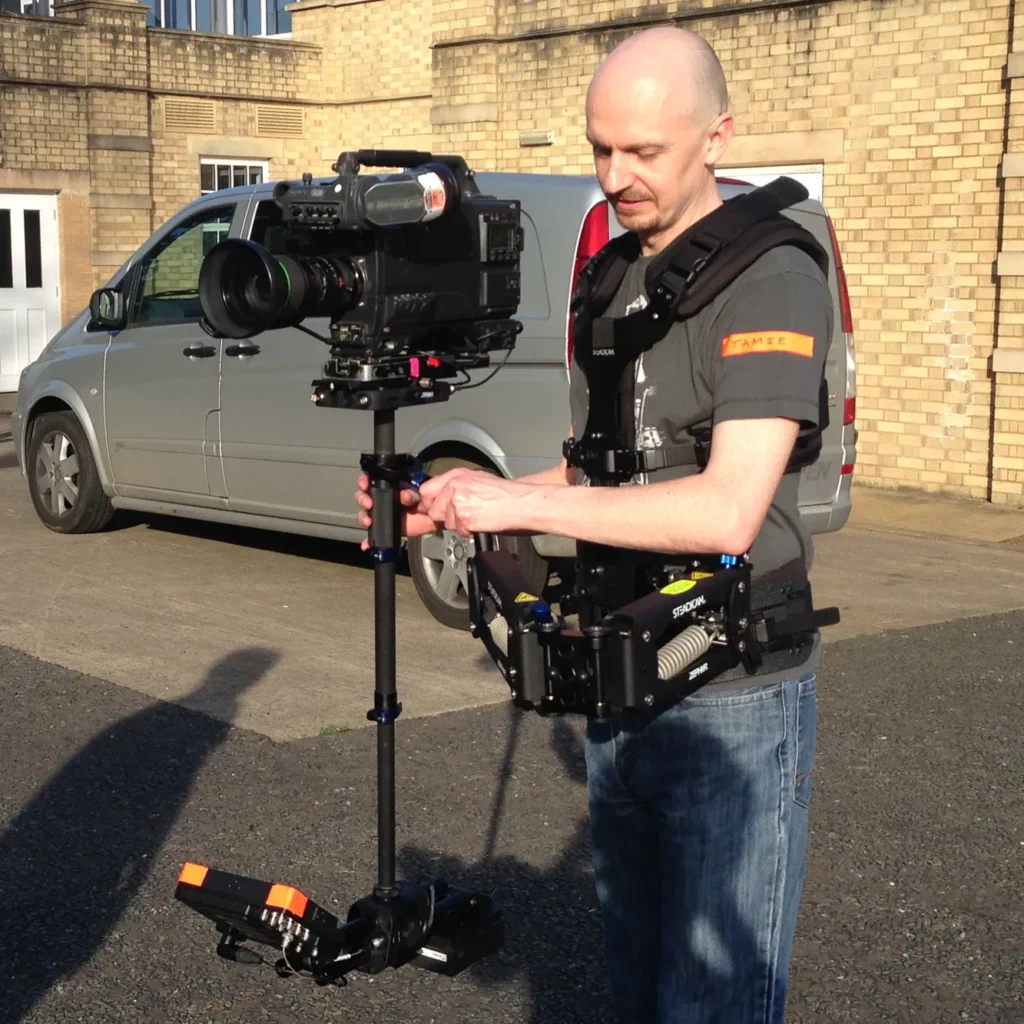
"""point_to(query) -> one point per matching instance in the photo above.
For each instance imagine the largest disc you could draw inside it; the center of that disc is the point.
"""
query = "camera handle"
(349, 163)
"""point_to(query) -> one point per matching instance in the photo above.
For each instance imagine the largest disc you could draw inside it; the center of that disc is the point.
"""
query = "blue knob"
(541, 611)
(419, 479)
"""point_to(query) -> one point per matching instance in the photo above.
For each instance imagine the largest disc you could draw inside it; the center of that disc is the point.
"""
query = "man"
(698, 812)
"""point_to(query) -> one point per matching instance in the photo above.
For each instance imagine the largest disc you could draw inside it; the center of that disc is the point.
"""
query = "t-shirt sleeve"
(769, 345)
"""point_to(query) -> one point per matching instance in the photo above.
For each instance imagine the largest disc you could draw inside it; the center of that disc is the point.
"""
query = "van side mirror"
(106, 308)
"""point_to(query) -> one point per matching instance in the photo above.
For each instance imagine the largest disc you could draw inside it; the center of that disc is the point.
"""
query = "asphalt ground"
(912, 910)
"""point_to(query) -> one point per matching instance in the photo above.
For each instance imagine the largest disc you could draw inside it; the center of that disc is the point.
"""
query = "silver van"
(161, 418)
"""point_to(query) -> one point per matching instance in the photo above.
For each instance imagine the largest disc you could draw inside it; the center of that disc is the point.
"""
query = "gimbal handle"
(411, 474)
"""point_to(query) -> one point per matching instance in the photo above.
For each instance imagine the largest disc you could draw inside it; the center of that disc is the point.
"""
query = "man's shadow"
(74, 858)
(552, 926)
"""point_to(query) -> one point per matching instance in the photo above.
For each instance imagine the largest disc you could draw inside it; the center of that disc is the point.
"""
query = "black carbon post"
(385, 540)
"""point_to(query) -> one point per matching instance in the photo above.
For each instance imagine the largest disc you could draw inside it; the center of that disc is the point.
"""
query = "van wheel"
(62, 477)
(439, 563)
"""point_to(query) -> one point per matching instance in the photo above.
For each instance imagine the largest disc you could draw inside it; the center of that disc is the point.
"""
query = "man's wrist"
(544, 508)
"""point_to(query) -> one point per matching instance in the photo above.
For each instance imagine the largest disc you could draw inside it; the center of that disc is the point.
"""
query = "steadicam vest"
(680, 282)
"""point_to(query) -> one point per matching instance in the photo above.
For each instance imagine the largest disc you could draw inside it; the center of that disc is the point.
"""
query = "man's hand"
(415, 522)
(466, 500)
(472, 501)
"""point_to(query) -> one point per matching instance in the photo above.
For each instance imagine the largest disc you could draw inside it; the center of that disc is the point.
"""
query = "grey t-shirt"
(756, 351)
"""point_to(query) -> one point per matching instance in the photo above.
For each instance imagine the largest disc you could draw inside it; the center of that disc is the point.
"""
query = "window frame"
(231, 162)
(157, 17)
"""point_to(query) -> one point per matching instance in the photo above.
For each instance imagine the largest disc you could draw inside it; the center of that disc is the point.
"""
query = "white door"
(29, 281)
(809, 175)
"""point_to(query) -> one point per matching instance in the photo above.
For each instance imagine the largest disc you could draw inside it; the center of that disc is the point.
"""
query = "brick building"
(908, 118)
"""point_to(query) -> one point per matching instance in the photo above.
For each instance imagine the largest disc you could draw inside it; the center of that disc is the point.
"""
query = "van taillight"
(849, 410)
(844, 293)
(593, 238)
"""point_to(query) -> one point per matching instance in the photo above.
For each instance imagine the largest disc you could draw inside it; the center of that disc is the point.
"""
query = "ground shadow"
(554, 933)
(74, 858)
(552, 928)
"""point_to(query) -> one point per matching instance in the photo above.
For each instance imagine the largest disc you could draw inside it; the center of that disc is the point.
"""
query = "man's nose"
(618, 174)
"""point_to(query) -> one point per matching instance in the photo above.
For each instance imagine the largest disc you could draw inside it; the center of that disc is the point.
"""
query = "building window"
(42, 7)
(226, 17)
(215, 175)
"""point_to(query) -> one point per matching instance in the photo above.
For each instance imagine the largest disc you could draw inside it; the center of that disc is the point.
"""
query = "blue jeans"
(699, 827)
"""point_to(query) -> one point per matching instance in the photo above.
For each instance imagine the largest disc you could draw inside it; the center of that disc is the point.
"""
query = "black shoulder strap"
(602, 274)
(706, 259)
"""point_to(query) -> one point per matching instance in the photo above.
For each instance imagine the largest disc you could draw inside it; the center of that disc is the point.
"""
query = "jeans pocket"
(806, 737)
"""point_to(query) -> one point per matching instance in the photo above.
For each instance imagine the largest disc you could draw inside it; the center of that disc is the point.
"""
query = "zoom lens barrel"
(245, 289)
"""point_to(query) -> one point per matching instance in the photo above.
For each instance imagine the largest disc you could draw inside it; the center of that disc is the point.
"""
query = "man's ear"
(719, 136)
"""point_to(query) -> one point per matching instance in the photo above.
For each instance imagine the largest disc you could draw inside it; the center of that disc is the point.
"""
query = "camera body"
(415, 262)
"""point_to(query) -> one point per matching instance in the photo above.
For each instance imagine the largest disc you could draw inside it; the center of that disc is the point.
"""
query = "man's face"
(649, 155)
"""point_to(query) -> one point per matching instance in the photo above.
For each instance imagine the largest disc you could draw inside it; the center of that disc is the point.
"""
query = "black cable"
(467, 387)
(319, 337)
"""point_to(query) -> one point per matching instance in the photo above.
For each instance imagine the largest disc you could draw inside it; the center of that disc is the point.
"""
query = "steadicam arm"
(649, 653)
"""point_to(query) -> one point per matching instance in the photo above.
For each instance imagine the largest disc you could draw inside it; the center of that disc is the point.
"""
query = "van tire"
(432, 560)
(90, 511)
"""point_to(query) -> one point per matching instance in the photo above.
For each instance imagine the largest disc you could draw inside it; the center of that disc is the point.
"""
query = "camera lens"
(245, 289)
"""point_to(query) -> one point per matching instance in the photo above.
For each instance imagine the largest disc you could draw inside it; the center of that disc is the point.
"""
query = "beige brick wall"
(74, 233)
(1008, 439)
(42, 49)
(904, 104)
(375, 82)
(199, 63)
(374, 49)
(43, 128)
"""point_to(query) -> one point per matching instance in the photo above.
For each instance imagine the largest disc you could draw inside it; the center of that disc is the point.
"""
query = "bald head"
(658, 121)
(668, 67)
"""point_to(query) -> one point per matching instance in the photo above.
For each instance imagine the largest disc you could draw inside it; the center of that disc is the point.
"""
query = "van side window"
(168, 287)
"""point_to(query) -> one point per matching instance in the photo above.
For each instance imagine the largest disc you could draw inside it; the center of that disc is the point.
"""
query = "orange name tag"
(768, 341)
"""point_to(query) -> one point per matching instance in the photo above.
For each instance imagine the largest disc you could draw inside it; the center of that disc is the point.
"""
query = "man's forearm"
(690, 515)
(559, 475)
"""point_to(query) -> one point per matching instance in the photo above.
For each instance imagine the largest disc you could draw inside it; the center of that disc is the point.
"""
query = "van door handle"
(248, 349)
(197, 350)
